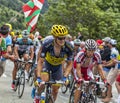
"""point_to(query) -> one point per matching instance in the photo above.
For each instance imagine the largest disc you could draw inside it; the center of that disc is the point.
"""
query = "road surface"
(9, 96)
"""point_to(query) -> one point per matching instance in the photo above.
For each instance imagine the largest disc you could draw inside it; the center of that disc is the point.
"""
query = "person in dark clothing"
(105, 55)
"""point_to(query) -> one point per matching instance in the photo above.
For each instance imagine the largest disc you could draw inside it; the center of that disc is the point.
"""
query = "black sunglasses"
(76, 45)
(61, 38)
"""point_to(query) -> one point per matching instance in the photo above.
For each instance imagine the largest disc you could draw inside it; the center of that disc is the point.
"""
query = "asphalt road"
(9, 96)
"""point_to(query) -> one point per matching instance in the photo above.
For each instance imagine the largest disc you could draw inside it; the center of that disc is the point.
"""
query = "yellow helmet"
(12, 34)
(59, 30)
(10, 26)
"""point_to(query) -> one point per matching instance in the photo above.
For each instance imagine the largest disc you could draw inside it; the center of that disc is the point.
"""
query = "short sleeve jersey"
(81, 58)
(49, 55)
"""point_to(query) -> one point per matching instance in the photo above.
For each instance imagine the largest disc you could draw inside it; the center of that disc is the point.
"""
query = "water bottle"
(42, 98)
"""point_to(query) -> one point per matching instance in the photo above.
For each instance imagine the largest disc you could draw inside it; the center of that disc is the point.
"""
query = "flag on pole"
(32, 11)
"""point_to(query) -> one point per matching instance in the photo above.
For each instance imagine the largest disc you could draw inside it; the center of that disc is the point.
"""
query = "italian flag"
(32, 11)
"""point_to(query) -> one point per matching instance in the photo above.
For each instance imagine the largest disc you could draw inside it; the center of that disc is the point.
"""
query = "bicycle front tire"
(21, 84)
(49, 99)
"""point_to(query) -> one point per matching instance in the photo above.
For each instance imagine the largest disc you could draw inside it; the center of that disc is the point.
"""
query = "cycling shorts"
(57, 73)
(21, 53)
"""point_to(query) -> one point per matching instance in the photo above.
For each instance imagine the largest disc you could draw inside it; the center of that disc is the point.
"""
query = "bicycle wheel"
(16, 84)
(49, 99)
(71, 99)
(64, 88)
(31, 78)
(91, 99)
(21, 84)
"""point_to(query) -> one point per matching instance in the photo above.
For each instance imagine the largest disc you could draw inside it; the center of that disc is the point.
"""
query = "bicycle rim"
(21, 85)
(64, 89)
(49, 99)
(31, 79)
(71, 99)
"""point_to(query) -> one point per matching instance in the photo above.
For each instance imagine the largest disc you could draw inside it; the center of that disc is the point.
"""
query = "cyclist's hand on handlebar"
(65, 80)
(105, 82)
(80, 80)
(37, 82)
(30, 61)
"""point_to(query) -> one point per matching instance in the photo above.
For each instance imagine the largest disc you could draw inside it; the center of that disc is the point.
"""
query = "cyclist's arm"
(68, 68)
(40, 63)
(100, 70)
(31, 52)
(16, 51)
(78, 70)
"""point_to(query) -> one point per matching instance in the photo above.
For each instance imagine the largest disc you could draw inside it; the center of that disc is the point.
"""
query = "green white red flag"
(32, 11)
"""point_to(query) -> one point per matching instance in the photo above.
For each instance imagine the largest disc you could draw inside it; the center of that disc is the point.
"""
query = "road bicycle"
(88, 92)
(20, 77)
(48, 89)
(31, 74)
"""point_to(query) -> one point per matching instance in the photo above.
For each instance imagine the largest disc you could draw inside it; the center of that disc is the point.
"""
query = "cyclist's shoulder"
(69, 46)
(48, 43)
(29, 41)
(81, 54)
(97, 55)
(47, 39)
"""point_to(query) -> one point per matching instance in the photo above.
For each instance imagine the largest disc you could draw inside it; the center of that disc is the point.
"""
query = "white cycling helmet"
(90, 44)
(113, 42)
(106, 39)
(25, 34)
(77, 41)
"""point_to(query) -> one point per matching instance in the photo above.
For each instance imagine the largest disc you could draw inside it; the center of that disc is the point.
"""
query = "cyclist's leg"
(27, 68)
(77, 93)
(56, 75)
(14, 75)
(44, 77)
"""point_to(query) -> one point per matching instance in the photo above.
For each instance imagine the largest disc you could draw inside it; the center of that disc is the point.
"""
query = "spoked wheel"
(21, 84)
(93, 99)
(88, 99)
(49, 99)
(31, 78)
(71, 99)
(64, 88)
(16, 85)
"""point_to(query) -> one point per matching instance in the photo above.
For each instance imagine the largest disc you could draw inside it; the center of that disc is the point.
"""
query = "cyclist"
(85, 60)
(76, 46)
(23, 48)
(53, 52)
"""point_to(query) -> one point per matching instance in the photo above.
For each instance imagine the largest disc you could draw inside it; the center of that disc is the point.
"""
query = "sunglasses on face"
(61, 38)
(90, 50)
(76, 45)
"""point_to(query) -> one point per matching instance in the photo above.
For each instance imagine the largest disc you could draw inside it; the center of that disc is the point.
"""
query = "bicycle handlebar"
(53, 82)
(25, 62)
(93, 82)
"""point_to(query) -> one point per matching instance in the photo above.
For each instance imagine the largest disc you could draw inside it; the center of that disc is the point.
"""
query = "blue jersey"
(8, 40)
(23, 46)
(49, 54)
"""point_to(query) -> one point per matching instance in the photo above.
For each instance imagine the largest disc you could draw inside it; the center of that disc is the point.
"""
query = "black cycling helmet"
(4, 29)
